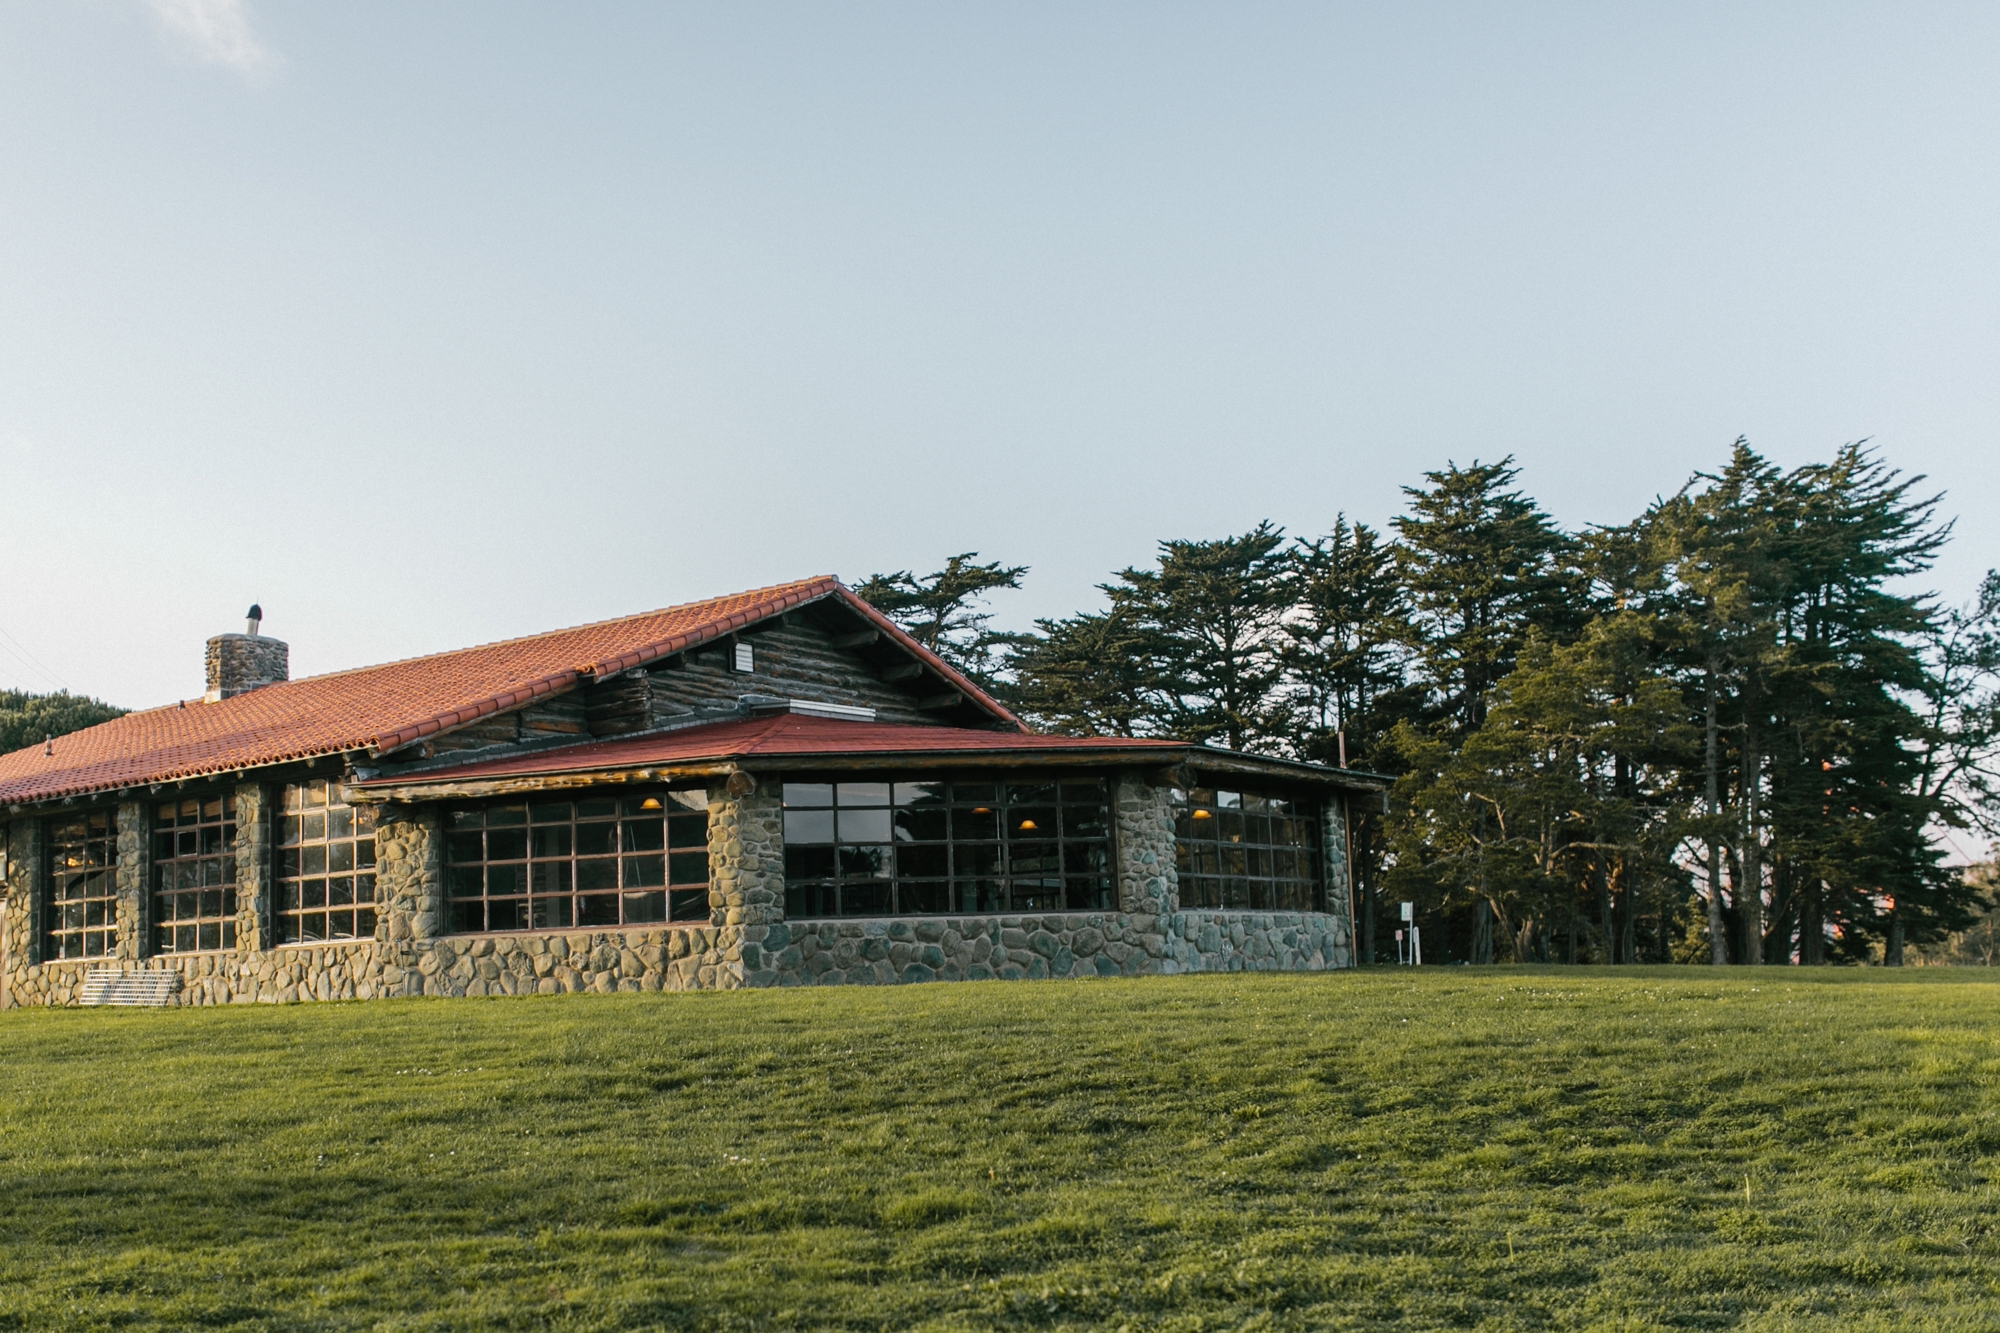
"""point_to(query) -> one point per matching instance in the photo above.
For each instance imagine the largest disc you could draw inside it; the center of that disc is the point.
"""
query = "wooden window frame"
(937, 858)
(94, 867)
(1258, 886)
(193, 874)
(638, 859)
(325, 851)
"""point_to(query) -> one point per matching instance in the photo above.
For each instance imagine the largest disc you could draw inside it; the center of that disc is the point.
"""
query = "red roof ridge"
(819, 582)
(371, 707)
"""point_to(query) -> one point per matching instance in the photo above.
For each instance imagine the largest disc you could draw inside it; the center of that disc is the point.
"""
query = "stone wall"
(745, 942)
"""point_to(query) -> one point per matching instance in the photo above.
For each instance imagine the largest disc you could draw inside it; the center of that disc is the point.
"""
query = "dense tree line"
(1725, 731)
(29, 719)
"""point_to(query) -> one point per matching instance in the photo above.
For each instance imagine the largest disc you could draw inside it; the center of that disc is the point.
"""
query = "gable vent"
(744, 659)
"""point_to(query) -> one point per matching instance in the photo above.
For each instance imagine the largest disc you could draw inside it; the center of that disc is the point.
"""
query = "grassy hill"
(1501, 1149)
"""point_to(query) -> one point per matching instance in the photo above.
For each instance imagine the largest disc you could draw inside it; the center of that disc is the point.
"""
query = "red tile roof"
(381, 708)
(784, 736)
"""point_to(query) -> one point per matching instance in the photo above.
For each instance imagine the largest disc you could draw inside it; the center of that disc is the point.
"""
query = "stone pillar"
(1339, 881)
(409, 874)
(25, 850)
(255, 823)
(135, 882)
(1148, 883)
(746, 855)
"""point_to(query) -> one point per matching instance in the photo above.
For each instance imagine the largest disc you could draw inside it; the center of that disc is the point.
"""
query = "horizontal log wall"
(795, 661)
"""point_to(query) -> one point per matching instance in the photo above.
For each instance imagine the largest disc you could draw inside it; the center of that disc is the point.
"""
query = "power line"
(24, 655)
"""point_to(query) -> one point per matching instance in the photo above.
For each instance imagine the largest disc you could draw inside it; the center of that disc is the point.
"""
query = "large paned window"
(82, 919)
(1237, 849)
(194, 875)
(605, 861)
(326, 866)
(946, 845)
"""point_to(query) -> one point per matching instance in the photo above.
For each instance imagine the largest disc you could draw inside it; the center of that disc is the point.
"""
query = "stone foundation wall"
(745, 943)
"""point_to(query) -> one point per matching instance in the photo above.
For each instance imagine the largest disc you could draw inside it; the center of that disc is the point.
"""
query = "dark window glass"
(974, 846)
(194, 875)
(555, 865)
(325, 886)
(1247, 851)
(82, 920)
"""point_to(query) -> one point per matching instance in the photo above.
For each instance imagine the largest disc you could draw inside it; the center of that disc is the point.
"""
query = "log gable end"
(822, 653)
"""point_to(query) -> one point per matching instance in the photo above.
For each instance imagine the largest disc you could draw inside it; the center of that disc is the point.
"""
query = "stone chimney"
(240, 663)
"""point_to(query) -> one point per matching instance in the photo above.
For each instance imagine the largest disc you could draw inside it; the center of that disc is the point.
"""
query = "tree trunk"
(1604, 912)
(1750, 899)
(1892, 953)
(1812, 927)
(1482, 932)
(1367, 922)
(1718, 937)
(1629, 914)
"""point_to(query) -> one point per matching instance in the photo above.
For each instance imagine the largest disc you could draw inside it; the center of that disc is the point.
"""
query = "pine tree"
(1482, 566)
(1210, 614)
(943, 610)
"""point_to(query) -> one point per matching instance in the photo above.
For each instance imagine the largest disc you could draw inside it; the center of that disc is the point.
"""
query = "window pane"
(596, 839)
(808, 863)
(862, 794)
(808, 794)
(863, 825)
(923, 862)
(549, 877)
(689, 830)
(980, 823)
(550, 841)
(1085, 821)
(642, 835)
(645, 872)
(864, 862)
(803, 901)
(923, 895)
(919, 793)
(808, 826)
(924, 824)
(688, 867)
(641, 908)
(864, 898)
(597, 874)
(692, 904)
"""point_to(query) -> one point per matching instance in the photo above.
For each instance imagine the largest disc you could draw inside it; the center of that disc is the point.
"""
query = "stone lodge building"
(775, 788)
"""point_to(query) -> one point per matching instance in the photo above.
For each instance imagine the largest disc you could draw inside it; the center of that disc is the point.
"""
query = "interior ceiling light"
(1027, 823)
(650, 803)
(1203, 814)
(982, 809)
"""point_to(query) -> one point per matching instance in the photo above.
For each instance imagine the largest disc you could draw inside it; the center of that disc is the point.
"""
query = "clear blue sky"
(427, 325)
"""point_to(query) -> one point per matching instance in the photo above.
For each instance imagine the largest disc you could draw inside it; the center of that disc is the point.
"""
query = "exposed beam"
(936, 701)
(907, 671)
(861, 640)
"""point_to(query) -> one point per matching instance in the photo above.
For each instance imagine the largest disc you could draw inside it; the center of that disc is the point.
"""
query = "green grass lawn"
(1502, 1148)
